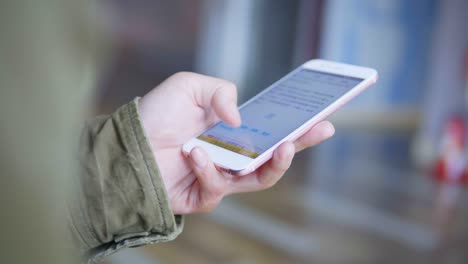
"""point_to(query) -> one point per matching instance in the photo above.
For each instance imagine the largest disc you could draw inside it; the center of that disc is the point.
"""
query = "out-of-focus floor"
(353, 199)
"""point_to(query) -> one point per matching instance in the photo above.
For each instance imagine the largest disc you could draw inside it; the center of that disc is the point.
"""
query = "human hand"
(182, 107)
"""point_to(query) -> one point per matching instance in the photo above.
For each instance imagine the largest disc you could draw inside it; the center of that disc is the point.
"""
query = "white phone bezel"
(240, 165)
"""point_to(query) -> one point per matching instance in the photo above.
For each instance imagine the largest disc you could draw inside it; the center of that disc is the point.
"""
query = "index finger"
(315, 135)
(224, 103)
(268, 174)
(218, 95)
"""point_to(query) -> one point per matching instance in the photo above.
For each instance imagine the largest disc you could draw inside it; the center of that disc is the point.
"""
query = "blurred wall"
(150, 40)
(392, 36)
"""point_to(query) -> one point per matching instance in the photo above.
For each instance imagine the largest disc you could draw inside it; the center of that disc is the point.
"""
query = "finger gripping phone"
(282, 112)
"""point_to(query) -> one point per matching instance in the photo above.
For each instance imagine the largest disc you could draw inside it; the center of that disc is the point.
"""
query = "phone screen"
(279, 111)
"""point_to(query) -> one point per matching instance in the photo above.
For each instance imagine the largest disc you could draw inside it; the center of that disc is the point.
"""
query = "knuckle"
(270, 184)
(210, 206)
(230, 87)
(267, 182)
(284, 167)
(216, 191)
(182, 75)
(281, 166)
(280, 169)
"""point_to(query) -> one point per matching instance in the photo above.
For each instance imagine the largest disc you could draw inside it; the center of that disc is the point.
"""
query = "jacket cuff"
(149, 168)
(160, 224)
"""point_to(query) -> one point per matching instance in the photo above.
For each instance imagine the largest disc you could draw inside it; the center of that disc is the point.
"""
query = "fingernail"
(329, 130)
(198, 158)
(290, 150)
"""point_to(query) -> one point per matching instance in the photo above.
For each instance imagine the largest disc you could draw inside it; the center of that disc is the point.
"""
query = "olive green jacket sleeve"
(121, 200)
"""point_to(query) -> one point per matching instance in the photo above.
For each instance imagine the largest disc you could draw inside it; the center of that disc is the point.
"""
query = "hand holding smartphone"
(282, 112)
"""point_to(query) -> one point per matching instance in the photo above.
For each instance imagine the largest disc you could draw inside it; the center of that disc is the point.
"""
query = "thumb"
(213, 184)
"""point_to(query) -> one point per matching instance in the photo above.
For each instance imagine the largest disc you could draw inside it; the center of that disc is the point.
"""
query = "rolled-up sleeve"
(120, 199)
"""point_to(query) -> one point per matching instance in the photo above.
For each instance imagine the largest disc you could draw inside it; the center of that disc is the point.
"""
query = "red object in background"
(440, 173)
(451, 166)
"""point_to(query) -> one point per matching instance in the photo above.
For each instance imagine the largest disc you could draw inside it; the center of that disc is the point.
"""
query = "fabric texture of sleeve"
(121, 200)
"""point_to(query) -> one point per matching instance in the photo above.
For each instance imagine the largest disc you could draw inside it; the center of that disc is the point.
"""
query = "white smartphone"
(282, 112)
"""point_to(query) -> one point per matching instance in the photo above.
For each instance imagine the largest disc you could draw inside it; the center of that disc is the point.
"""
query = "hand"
(185, 105)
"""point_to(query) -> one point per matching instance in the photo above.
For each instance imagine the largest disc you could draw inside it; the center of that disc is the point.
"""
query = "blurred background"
(389, 187)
